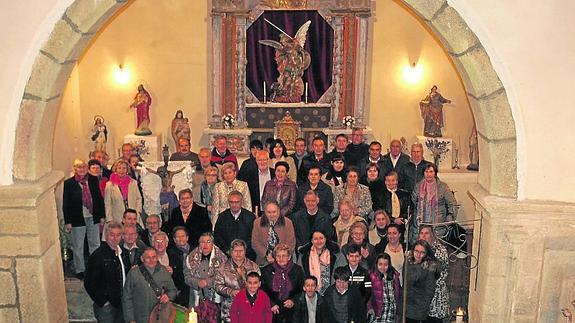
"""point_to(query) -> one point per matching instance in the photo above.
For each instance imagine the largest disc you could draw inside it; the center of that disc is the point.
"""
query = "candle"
(192, 316)
(306, 92)
(265, 94)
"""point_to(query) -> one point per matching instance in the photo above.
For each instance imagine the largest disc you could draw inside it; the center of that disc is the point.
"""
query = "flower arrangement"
(228, 121)
(438, 149)
(348, 121)
(140, 147)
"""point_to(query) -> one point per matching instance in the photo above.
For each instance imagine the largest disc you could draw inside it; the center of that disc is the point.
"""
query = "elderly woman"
(269, 230)
(375, 184)
(346, 211)
(439, 308)
(282, 280)
(278, 152)
(83, 208)
(232, 276)
(200, 269)
(122, 193)
(319, 258)
(225, 187)
(378, 228)
(207, 188)
(335, 176)
(358, 237)
(421, 271)
(433, 202)
(359, 194)
(281, 189)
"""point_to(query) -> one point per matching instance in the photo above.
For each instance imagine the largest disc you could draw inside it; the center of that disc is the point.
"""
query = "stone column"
(216, 100)
(526, 252)
(31, 271)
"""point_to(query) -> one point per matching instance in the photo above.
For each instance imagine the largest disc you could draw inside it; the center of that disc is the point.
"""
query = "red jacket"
(243, 312)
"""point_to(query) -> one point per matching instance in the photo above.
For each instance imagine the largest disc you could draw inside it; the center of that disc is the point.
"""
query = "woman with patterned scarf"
(268, 231)
(434, 203)
(282, 280)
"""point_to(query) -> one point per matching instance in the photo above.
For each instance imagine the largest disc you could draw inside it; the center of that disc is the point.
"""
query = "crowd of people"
(343, 236)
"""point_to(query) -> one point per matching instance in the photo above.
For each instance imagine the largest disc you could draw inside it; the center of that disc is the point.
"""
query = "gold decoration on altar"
(285, 4)
(288, 130)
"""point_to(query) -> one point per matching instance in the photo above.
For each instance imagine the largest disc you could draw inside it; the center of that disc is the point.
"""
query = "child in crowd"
(251, 304)
(385, 291)
(309, 303)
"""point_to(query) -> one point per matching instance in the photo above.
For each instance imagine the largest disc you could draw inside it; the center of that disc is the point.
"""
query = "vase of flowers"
(228, 120)
(348, 122)
(438, 149)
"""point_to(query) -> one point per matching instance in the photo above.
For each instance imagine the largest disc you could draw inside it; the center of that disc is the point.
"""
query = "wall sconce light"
(121, 74)
(412, 73)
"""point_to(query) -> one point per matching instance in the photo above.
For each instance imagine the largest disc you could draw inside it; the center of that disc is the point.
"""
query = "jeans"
(108, 314)
(92, 232)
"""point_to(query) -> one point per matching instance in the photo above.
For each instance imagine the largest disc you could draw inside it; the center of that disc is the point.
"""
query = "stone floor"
(79, 303)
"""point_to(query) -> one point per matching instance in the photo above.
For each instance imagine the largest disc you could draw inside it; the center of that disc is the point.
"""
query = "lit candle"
(265, 94)
(306, 92)
(192, 316)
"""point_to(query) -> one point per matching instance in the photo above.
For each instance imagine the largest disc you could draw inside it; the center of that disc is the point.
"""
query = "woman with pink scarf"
(434, 203)
(121, 193)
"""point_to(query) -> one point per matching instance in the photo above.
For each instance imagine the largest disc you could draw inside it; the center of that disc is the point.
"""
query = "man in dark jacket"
(374, 156)
(298, 156)
(395, 159)
(105, 276)
(235, 223)
(319, 157)
(177, 253)
(83, 208)
(257, 178)
(314, 183)
(412, 172)
(342, 302)
(190, 215)
(357, 149)
(249, 165)
(311, 219)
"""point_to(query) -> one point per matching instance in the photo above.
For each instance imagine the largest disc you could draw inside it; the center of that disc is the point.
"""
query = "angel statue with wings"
(292, 61)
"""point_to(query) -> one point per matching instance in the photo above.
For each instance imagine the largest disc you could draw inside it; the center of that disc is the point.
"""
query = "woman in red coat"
(251, 304)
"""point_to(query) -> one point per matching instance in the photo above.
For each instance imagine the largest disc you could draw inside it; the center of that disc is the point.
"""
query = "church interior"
(385, 56)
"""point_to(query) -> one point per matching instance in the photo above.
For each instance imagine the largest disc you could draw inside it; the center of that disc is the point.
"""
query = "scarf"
(86, 194)
(273, 238)
(341, 229)
(122, 183)
(281, 282)
(241, 273)
(381, 233)
(332, 174)
(427, 205)
(317, 262)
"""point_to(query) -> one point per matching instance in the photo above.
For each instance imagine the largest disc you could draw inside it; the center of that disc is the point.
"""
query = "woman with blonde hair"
(222, 189)
(121, 193)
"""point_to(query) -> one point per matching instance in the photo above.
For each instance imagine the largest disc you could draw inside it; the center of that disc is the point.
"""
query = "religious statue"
(168, 199)
(180, 127)
(292, 60)
(141, 103)
(473, 150)
(99, 133)
(432, 113)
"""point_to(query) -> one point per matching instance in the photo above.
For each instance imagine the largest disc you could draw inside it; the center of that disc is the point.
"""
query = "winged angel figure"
(292, 61)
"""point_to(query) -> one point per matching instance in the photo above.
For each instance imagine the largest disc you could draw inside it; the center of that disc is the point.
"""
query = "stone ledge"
(27, 194)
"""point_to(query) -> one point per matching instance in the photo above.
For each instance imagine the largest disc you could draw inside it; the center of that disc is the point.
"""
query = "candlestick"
(305, 92)
(265, 93)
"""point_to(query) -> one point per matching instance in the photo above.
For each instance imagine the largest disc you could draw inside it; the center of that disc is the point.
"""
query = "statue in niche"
(141, 103)
(292, 60)
(473, 150)
(99, 133)
(432, 113)
(180, 127)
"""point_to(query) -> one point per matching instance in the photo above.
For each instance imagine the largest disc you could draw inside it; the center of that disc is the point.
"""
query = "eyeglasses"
(160, 240)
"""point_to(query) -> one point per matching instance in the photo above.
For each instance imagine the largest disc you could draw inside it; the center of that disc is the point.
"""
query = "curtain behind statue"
(261, 65)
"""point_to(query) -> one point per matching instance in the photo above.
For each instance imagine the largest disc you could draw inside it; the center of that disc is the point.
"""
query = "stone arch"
(41, 298)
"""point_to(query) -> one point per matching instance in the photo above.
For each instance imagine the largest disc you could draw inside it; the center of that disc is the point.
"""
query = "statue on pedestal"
(141, 103)
(99, 133)
(292, 61)
(473, 151)
(432, 113)
(180, 127)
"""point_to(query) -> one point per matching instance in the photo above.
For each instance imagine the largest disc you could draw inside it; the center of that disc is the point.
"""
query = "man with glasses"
(235, 223)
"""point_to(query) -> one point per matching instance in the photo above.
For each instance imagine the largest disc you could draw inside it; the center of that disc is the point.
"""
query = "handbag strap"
(148, 277)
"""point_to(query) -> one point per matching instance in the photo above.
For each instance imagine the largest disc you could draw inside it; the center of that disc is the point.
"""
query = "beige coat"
(115, 202)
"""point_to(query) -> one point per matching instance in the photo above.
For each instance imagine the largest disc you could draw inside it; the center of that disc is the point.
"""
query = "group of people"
(315, 236)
